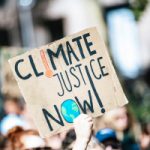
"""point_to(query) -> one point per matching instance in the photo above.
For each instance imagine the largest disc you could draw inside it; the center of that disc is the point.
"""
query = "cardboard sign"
(65, 78)
(8, 82)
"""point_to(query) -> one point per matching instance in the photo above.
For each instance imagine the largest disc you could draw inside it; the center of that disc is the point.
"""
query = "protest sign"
(8, 83)
(65, 78)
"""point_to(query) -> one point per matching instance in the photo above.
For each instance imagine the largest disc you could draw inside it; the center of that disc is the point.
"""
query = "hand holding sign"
(71, 76)
(83, 128)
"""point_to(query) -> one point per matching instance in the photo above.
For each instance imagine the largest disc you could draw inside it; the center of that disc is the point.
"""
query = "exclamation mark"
(48, 71)
(94, 90)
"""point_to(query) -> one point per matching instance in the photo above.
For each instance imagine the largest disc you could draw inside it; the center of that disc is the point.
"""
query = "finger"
(84, 116)
(89, 119)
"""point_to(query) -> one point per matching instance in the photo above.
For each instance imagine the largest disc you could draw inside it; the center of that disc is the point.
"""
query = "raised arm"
(83, 127)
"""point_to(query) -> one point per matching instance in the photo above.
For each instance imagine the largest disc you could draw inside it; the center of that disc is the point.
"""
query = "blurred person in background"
(20, 139)
(13, 105)
(56, 141)
(145, 137)
(108, 139)
(122, 121)
(13, 109)
(3, 141)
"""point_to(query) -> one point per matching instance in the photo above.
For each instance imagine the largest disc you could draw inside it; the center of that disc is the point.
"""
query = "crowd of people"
(117, 129)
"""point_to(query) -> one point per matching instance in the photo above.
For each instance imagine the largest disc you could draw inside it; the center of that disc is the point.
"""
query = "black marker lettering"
(34, 68)
(25, 77)
(62, 89)
(88, 44)
(77, 40)
(97, 77)
(69, 89)
(47, 115)
(102, 67)
(51, 55)
(94, 89)
(85, 103)
(78, 81)
(71, 51)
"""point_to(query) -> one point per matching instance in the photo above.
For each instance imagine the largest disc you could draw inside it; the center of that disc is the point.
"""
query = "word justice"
(75, 75)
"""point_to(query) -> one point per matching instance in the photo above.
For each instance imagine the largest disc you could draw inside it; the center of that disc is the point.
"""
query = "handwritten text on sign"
(71, 76)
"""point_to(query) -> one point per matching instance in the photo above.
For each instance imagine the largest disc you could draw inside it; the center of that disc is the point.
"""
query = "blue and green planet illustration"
(70, 110)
